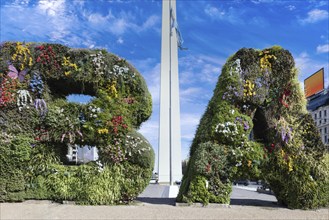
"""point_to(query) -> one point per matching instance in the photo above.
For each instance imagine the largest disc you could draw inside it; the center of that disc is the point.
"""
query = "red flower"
(208, 168)
(286, 93)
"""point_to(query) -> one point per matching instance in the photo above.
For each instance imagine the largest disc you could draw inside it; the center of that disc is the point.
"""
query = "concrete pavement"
(245, 204)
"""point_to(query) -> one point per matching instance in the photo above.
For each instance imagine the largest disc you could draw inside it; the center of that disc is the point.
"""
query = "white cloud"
(119, 26)
(314, 16)
(190, 91)
(320, 3)
(190, 119)
(302, 60)
(290, 7)
(150, 129)
(190, 94)
(151, 74)
(120, 40)
(258, 21)
(199, 68)
(21, 2)
(214, 12)
(231, 15)
(119, 23)
(261, 1)
(98, 19)
(70, 22)
(151, 21)
(322, 48)
(52, 7)
(307, 66)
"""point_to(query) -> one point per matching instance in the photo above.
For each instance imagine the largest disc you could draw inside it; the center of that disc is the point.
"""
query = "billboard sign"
(314, 83)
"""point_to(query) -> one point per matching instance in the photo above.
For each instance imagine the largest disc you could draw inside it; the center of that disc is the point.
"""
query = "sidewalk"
(46, 210)
(245, 204)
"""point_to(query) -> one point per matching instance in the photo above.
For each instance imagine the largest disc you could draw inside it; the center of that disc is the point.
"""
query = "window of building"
(81, 154)
(315, 116)
(320, 115)
(325, 139)
(320, 131)
(325, 130)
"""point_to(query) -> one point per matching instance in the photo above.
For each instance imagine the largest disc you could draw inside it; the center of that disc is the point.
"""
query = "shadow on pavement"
(243, 202)
(254, 202)
(157, 201)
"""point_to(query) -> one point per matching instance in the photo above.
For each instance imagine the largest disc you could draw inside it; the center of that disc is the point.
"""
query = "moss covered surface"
(256, 126)
(37, 124)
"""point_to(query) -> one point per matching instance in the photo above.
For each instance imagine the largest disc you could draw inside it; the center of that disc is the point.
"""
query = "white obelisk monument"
(170, 164)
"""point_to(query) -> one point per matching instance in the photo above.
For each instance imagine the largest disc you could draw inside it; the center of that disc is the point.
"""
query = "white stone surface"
(170, 165)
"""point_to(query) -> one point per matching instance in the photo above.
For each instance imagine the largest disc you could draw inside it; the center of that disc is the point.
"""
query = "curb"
(200, 205)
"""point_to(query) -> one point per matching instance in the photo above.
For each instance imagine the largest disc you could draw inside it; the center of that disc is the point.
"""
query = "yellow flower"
(74, 66)
(248, 88)
(290, 168)
(67, 73)
(103, 131)
(30, 61)
(66, 62)
(22, 55)
(249, 163)
(112, 89)
(264, 60)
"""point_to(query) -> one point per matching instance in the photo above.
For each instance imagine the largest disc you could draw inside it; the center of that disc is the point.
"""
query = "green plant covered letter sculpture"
(38, 125)
(256, 126)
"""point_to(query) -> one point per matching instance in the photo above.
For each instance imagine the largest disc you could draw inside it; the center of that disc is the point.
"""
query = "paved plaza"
(246, 203)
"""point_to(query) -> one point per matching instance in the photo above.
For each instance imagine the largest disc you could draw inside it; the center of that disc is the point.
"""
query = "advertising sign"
(314, 83)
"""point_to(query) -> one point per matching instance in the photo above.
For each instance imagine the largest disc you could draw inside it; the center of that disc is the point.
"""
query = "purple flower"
(285, 136)
(245, 125)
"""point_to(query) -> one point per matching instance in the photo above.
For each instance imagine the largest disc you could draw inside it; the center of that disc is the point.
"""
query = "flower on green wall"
(47, 58)
(22, 56)
(68, 66)
(265, 60)
(8, 88)
(98, 61)
(248, 90)
(24, 99)
(119, 70)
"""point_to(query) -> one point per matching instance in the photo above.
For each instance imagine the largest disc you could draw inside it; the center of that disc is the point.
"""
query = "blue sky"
(212, 31)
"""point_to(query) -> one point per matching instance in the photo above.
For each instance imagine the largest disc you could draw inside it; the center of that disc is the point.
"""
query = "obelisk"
(169, 154)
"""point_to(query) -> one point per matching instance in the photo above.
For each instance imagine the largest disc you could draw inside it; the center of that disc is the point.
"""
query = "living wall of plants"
(256, 126)
(37, 124)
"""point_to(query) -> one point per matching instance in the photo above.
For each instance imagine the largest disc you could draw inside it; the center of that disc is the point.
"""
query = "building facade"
(318, 106)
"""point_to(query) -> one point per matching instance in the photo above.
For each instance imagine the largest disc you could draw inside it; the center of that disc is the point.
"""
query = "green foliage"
(134, 182)
(209, 175)
(37, 124)
(258, 117)
(14, 154)
(198, 191)
(211, 160)
(103, 189)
